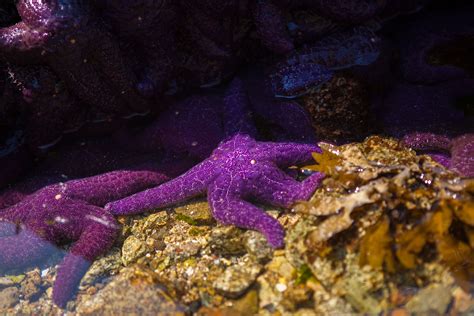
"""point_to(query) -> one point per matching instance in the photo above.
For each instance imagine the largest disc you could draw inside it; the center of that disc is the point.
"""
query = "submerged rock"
(8, 298)
(135, 291)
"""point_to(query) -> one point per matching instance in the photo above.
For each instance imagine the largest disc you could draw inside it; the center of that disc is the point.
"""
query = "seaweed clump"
(395, 210)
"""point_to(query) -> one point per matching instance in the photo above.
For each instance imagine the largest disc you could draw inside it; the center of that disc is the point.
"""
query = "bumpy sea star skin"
(148, 28)
(240, 168)
(422, 36)
(271, 27)
(47, 103)
(309, 67)
(459, 150)
(69, 212)
(77, 47)
(357, 46)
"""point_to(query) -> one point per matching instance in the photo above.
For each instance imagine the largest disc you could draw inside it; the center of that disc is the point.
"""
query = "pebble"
(237, 279)
(9, 297)
(432, 299)
(132, 249)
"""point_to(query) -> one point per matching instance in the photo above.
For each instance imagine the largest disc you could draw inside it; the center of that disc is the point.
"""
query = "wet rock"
(194, 213)
(132, 249)
(434, 299)
(102, 267)
(257, 246)
(31, 285)
(227, 241)
(135, 291)
(236, 279)
(247, 304)
(463, 302)
(5, 282)
(9, 297)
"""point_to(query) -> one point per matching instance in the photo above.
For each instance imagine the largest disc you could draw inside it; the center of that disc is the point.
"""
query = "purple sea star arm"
(428, 33)
(237, 115)
(18, 250)
(271, 28)
(113, 185)
(282, 190)
(17, 38)
(97, 237)
(229, 209)
(462, 155)
(287, 154)
(461, 150)
(190, 184)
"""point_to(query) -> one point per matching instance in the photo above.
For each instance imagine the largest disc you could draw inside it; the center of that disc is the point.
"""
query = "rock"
(237, 278)
(247, 304)
(5, 282)
(135, 291)
(195, 213)
(227, 241)
(30, 286)
(132, 249)
(433, 299)
(257, 246)
(9, 297)
(102, 267)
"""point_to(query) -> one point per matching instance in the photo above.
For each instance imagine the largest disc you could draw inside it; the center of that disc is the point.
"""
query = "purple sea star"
(429, 108)
(423, 35)
(147, 30)
(239, 169)
(458, 152)
(77, 47)
(69, 212)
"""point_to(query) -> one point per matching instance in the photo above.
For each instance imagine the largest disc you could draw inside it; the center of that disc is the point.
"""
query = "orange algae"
(327, 162)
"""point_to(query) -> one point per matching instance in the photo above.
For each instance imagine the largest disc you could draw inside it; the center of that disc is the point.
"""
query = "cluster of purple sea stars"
(76, 70)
